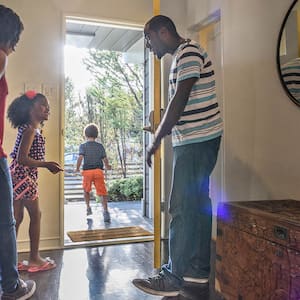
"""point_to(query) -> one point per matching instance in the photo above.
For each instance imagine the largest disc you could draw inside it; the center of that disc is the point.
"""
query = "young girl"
(27, 113)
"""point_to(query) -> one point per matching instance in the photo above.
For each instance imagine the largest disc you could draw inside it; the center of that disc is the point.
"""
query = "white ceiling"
(102, 36)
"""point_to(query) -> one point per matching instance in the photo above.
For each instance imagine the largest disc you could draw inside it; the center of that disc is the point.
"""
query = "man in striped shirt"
(193, 117)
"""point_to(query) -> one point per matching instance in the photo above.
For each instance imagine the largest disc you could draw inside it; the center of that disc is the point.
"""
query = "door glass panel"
(104, 85)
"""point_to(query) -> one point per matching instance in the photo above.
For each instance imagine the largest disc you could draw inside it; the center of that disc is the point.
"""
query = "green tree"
(73, 118)
(116, 95)
(114, 102)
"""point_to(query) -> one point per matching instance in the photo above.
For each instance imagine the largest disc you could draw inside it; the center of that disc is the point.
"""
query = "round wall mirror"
(288, 52)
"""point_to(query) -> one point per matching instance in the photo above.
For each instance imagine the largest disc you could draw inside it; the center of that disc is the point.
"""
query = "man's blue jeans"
(191, 211)
(8, 250)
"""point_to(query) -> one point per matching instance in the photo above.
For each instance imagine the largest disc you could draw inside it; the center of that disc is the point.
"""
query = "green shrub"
(125, 189)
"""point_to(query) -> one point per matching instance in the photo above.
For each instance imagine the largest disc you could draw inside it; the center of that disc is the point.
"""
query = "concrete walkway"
(125, 213)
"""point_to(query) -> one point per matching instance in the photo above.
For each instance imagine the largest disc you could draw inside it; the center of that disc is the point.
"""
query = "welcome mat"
(107, 234)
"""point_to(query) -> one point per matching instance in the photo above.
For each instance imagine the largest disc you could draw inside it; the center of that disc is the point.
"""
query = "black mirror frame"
(278, 54)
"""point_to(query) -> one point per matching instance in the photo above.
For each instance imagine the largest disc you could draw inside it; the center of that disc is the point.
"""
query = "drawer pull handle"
(280, 232)
(279, 253)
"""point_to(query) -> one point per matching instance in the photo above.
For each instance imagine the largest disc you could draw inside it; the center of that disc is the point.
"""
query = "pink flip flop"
(23, 266)
(48, 265)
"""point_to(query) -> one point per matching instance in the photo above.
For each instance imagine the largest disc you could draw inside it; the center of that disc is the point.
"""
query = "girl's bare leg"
(33, 209)
(18, 213)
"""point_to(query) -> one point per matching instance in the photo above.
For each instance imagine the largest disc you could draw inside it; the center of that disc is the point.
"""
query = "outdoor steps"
(73, 181)
(73, 188)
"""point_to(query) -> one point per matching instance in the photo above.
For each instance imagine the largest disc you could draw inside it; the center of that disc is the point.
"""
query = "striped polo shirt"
(291, 76)
(201, 120)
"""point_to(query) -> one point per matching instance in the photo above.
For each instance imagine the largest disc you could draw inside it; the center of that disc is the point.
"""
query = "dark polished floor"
(104, 273)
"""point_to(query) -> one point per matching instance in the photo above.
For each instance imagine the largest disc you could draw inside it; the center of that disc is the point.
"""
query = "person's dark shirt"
(3, 94)
(93, 153)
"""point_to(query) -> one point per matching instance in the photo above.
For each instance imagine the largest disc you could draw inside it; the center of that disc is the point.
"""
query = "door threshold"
(129, 240)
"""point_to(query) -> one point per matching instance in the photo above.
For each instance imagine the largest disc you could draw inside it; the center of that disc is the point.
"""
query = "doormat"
(107, 234)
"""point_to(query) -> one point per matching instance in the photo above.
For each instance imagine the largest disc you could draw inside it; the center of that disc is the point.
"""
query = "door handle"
(280, 232)
(150, 128)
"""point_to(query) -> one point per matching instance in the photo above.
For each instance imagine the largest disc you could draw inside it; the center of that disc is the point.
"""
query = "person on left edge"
(13, 287)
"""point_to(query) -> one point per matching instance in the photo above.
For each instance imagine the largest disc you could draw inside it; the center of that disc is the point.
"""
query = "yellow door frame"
(157, 156)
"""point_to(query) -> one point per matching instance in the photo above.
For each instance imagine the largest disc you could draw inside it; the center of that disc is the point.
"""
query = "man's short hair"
(159, 21)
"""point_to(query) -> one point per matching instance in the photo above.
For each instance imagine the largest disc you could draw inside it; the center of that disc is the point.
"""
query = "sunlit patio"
(123, 214)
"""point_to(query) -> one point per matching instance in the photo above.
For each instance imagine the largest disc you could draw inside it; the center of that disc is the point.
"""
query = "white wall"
(261, 139)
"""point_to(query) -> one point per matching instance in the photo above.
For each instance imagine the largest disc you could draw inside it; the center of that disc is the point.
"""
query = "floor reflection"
(103, 273)
(96, 272)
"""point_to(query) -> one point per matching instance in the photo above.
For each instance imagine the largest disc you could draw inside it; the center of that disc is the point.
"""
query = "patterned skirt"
(24, 179)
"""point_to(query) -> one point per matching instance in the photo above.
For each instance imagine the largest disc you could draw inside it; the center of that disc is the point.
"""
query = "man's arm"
(174, 109)
(173, 112)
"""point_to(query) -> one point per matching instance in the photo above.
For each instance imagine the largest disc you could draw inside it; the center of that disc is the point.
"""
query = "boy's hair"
(91, 131)
(159, 21)
(10, 27)
(19, 110)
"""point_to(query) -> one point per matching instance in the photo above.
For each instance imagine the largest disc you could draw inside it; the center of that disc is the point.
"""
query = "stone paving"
(125, 213)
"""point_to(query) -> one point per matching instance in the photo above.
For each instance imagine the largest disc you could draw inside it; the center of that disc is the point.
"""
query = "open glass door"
(110, 53)
(157, 156)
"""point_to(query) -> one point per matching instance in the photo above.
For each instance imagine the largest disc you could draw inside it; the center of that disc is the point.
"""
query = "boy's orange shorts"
(95, 177)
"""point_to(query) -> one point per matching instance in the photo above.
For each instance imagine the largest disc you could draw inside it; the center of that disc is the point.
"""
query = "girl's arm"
(106, 163)
(23, 157)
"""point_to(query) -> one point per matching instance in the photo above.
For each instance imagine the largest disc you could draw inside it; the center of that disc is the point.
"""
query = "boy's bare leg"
(87, 202)
(104, 202)
(106, 214)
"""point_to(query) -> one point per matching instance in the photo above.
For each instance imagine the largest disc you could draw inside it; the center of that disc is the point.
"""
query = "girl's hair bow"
(31, 94)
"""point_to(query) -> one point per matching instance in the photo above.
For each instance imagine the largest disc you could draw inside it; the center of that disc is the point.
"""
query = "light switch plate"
(31, 86)
(50, 91)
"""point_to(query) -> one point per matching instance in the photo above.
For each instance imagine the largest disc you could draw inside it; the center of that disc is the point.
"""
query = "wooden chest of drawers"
(258, 250)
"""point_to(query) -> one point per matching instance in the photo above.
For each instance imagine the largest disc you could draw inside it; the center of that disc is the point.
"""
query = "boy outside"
(94, 159)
